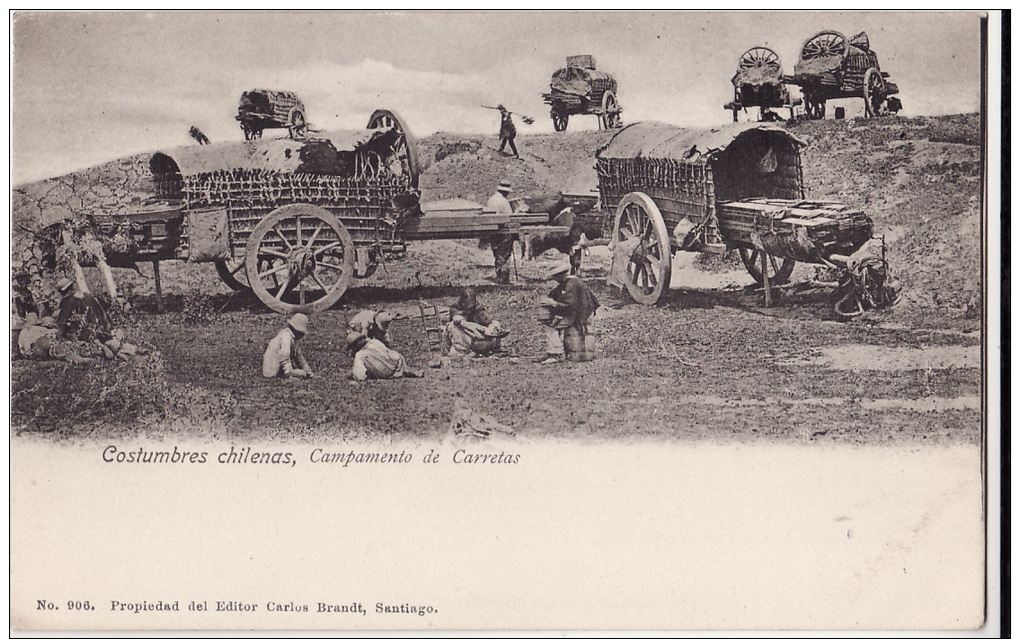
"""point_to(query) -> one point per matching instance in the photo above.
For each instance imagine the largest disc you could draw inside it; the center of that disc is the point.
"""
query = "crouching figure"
(283, 356)
(374, 360)
(470, 331)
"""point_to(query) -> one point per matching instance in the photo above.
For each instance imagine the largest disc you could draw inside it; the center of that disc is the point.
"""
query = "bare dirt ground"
(709, 363)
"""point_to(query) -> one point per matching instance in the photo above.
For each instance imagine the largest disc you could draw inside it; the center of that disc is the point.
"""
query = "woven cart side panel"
(251, 195)
(679, 189)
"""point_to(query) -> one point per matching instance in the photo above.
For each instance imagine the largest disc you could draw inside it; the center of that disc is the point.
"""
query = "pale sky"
(92, 87)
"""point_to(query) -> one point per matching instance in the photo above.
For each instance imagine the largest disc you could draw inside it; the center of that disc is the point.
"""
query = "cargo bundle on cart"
(832, 66)
(580, 89)
(758, 83)
(737, 187)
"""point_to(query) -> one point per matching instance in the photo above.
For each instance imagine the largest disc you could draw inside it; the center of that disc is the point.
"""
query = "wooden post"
(79, 274)
(765, 279)
(104, 268)
(159, 287)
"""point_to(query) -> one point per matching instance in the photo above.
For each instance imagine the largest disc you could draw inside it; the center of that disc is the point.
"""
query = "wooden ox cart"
(758, 83)
(580, 89)
(737, 187)
(296, 220)
(831, 66)
(262, 109)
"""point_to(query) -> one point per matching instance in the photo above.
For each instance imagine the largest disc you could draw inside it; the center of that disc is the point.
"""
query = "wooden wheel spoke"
(329, 247)
(283, 289)
(297, 230)
(286, 242)
(315, 234)
(318, 282)
(775, 267)
(332, 266)
(268, 251)
(272, 272)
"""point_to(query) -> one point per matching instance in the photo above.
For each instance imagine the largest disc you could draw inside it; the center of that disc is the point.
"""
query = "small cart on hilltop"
(737, 187)
(262, 109)
(580, 89)
(758, 83)
(831, 67)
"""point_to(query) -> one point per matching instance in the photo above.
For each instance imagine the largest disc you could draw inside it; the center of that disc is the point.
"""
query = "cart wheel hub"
(300, 263)
(639, 254)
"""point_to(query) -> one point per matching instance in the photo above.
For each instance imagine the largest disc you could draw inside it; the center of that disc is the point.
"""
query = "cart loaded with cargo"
(738, 187)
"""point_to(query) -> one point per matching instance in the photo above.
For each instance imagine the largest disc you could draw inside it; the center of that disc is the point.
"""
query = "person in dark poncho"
(567, 315)
(471, 331)
(80, 315)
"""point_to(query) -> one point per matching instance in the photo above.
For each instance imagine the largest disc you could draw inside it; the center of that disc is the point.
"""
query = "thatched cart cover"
(315, 155)
(655, 140)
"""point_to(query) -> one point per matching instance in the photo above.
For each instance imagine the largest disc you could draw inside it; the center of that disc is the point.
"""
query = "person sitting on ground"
(80, 315)
(283, 356)
(372, 324)
(39, 339)
(83, 318)
(373, 360)
(470, 331)
(567, 315)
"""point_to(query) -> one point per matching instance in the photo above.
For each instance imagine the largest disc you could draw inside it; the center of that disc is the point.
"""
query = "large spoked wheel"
(825, 44)
(300, 258)
(560, 118)
(298, 126)
(874, 92)
(404, 158)
(639, 227)
(233, 273)
(757, 57)
(610, 118)
(779, 270)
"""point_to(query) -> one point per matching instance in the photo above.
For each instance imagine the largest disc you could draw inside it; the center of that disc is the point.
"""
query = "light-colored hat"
(354, 337)
(64, 284)
(504, 185)
(560, 268)
(299, 322)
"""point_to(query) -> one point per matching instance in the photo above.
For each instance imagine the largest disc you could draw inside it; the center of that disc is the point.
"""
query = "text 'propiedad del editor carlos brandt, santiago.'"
(355, 607)
(247, 455)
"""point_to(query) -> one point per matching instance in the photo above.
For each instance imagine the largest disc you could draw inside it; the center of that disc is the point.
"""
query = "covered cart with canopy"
(758, 83)
(736, 187)
(832, 66)
(580, 89)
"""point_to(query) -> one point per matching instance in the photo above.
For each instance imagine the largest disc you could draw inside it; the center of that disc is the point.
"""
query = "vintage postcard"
(504, 320)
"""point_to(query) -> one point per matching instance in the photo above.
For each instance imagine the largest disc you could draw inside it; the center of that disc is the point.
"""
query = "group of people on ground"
(566, 314)
(81, 330)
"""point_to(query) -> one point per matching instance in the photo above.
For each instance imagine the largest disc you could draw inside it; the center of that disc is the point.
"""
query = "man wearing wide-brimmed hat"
(567, 314)
(503, 246)
(283, 356)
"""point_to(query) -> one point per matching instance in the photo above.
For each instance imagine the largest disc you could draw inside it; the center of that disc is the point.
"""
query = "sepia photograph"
(487, 320)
